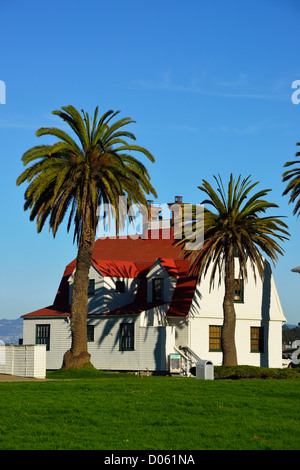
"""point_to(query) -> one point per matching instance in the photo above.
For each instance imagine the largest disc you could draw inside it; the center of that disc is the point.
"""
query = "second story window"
(158, 289)
(120, 286)
(239, 291)
(91, 290)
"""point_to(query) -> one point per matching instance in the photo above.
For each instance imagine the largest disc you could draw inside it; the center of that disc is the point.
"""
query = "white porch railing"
(189, 359)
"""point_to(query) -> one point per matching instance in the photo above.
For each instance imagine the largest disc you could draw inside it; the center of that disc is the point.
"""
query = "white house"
(143, 307)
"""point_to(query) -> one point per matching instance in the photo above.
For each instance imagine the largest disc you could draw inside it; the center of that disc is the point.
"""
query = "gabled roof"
(132, 258)
(169, 265)
(49, 311)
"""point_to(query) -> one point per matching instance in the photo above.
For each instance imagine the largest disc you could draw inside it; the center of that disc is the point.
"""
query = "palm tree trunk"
(228, 330)
(78, 355)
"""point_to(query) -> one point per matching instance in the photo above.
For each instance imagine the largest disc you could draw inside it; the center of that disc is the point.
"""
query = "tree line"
(290, 334)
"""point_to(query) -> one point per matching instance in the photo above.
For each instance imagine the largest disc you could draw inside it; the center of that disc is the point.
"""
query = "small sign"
(175, 363)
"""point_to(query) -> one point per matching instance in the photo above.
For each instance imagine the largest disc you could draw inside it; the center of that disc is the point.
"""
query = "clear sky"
(209, 84)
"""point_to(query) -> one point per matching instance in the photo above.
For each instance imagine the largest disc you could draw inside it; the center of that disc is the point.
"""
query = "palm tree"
(236, 230)
(76, 176)
(293, 186)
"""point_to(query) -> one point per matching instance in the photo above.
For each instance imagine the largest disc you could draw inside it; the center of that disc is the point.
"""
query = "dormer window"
(91, 289)
(157, 289)
(120, 286)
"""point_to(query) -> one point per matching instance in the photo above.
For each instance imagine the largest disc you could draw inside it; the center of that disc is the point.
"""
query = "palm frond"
(235, 230)
(66, 176)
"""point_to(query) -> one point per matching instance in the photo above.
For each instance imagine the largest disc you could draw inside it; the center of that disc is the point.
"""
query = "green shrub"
(220, 372)
(252, 372)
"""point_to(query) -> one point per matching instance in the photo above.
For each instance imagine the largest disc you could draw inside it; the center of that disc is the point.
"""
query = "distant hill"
(11, 331)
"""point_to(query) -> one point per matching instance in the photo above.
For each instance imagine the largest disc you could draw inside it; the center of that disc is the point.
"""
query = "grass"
(101, 410)
(220, 372)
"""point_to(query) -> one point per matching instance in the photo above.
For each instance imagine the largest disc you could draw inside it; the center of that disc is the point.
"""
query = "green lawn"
(157, 413)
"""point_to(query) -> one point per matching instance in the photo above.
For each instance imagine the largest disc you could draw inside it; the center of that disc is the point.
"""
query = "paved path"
(14, 378)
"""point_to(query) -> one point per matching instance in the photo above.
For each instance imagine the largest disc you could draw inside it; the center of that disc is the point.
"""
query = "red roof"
(137, 250)
(116, 268)
(132, 258)
(47, 312)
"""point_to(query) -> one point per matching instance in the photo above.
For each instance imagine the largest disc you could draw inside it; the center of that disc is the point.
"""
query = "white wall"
(151, 344)
(181, 326)
(106, 298)
(154, 316)
(23, 361)
(60, 338)
(271, 357)
(261, 308)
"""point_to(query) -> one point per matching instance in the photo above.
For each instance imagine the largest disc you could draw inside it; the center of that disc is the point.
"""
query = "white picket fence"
(23, 361)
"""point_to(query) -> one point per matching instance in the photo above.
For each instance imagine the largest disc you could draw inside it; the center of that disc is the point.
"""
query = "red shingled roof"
(137, 250)
(132, 258)
(116, 268)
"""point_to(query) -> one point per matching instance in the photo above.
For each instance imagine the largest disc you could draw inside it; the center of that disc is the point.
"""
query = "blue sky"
(207, 82)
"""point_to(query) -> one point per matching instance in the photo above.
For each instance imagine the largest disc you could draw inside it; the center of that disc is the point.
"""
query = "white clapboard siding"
(181, 327)
(105, 297)
(261, 308)
(158, 271)
(151, 345)
(23, 361)
(60, 338)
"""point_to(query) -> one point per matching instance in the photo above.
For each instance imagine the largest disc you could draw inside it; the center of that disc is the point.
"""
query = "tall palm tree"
(293, 186)
(76, 176)
(236, 229)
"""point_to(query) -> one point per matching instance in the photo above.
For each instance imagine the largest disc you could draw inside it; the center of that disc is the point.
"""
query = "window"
(157, 289)
(91, 290)
(215, 338)
(90, 333)
(257, 339)
(127, 336)
(239, 291)
(120, 286)
(43, 335)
